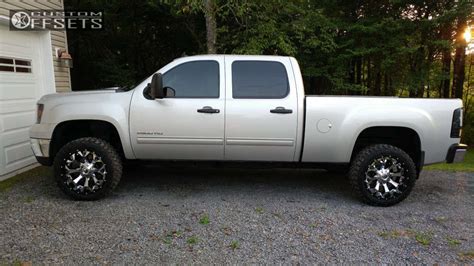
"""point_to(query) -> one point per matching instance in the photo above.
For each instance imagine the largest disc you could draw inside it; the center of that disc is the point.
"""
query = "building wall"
(58, 38)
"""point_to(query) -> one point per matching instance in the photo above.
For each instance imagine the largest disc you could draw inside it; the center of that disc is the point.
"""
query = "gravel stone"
(283, 216)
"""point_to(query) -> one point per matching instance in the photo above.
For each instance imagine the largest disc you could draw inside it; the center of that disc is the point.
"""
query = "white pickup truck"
(245, 109)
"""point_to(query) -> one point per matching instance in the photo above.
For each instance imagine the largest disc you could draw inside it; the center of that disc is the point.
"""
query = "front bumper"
(40, 149)
(456, 153)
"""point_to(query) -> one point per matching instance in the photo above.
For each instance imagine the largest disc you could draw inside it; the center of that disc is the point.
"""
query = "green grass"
(390, 234)
(259, 210)
(204, 219)
(10, 182)
(441, 219)
(168, 237)
(192, 240)
(313, 225)
(453, 242)
(29, 199)
(175, 234)
(466, 166)
(423, 238)
(234, 245)
(167, 240)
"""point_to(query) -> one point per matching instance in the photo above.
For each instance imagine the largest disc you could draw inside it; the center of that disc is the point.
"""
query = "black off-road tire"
(111, 158)
(364, 159)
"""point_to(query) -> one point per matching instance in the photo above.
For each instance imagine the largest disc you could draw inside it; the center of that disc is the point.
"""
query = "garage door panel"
(16, 136)
(18, 165)
(16, 49)
(11, 91)
(17, 120)
(17, 106)
(17, 152)
(16, 78)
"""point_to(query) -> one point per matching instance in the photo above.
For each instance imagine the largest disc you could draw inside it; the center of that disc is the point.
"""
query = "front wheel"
(87, 168)
(382, 175)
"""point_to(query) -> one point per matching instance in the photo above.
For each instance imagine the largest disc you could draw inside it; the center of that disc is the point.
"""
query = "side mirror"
(156, 86)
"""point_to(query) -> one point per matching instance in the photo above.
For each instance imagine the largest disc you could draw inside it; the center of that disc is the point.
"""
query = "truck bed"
(333, 123)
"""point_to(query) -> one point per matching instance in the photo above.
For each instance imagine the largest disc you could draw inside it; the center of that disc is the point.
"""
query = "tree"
(459, 59)
(211, 27)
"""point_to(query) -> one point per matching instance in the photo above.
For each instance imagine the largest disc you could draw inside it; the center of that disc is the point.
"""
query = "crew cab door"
(189, 125)
(261, 109)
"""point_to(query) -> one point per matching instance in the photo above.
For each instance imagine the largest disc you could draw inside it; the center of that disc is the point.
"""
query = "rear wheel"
(382, 175)
(87, 168)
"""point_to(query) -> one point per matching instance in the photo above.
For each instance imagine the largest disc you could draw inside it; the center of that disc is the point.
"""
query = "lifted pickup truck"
(246, 109)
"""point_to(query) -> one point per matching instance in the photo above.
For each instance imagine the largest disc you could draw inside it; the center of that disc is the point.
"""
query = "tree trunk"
(387, 91)
(378, 82)
(369, 78)
(446, 72)
(211, 25)
(359, 71)
(446, 61)
(467, 100)
(459, 60)
(421, 91)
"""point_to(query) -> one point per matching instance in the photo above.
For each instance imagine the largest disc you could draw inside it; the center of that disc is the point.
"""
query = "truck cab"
(221, 108)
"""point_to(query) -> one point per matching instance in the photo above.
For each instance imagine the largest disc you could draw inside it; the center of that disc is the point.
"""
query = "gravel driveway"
(205, 215)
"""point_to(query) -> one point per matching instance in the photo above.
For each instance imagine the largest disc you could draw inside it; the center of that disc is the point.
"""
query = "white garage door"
(22, 82)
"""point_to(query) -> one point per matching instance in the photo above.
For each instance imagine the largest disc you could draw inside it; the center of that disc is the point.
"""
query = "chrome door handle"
(281, 110)
(208, 110)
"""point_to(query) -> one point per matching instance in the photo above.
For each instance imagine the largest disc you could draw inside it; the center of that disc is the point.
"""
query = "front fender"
(110, 107)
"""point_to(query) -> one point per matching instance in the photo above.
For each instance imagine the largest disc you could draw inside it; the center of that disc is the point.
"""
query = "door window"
(198, 79)
(259, 80)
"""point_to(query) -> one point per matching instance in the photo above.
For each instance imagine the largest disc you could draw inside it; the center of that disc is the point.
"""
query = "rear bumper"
(456, 153)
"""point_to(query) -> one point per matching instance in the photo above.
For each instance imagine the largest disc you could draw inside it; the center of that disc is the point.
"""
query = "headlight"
(39, 112)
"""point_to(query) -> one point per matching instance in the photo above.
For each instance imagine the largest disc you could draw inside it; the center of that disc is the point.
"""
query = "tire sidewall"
(91, 144)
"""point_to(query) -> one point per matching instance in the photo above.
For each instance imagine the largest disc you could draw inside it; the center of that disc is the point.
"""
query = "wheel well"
(70, 130)
(402, 137)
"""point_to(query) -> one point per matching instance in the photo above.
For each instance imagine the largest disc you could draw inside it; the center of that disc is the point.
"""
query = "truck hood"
(77, 95)
(104, 104)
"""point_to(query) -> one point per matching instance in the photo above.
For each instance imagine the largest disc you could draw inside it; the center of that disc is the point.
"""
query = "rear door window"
(259, 80)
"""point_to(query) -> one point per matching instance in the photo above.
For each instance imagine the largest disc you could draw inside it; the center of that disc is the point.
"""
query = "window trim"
(265, 61)
(199, 97)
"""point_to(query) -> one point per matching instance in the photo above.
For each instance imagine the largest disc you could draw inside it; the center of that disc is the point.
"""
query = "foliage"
(138, 38)
(363, 47)
(386, 47)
